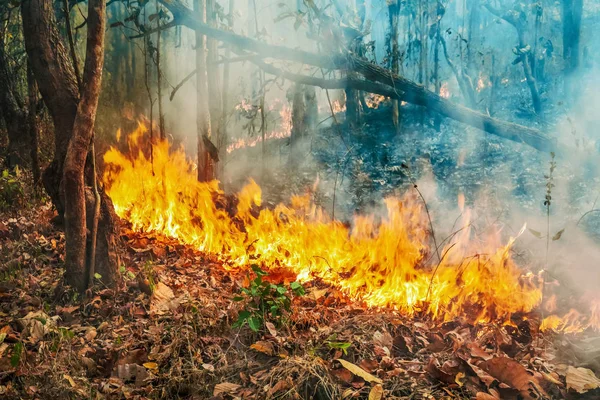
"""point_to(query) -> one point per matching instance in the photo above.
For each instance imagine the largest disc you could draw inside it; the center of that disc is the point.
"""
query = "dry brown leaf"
(280, 386)
(484, 396)
(163, 299)
(581, 379)
(358, 371)
(263, 347)
(376, 392)
(513, 374)
(271, 328)
(90, 334)
(225, 387)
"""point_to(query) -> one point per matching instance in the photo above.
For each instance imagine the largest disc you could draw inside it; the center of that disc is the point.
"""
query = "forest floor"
(167, 332)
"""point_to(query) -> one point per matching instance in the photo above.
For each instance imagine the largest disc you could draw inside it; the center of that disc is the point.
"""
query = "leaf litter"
(166, 333)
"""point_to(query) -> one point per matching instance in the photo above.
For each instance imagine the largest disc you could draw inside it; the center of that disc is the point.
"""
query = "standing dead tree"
(73, 113)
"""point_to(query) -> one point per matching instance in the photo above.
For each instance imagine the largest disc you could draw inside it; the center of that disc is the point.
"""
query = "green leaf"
(254, 322)
(15, 359)
(238, 298)
(281, 290)
(97, 276)
(244, 315)
(558, 235)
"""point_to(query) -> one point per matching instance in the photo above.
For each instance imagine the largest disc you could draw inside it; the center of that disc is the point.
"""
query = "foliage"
(12, 192)
(266, 301)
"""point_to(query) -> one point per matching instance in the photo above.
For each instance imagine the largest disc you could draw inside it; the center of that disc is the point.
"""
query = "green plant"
(12, 192)
(266, 301)
(343, 346)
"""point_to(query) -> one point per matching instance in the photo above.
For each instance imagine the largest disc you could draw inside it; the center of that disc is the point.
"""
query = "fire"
(338, 106)
(374, 100)
(482, 83)
(445, 91)
(383, 261)
(284, 131)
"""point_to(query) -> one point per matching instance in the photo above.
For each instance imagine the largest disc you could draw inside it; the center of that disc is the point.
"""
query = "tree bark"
(393, 53)
(205, 168)
(13, 112)
(32, 124)
(57, 83)
(75, 159)
(73, 124)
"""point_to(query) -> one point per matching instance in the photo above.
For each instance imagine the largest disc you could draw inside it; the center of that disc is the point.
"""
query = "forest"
(299, 199)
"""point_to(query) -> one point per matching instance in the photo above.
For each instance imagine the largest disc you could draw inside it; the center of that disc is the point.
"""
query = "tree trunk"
(572, 12)
(73, 124)
(223, 137)
(32, 124)
(214, 80)
(13, 112)
(57, 83)
(393, 50)
(75, 159)
(205, 168)
(161, 116)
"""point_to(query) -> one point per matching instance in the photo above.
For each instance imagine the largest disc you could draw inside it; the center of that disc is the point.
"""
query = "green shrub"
(12, 193)
(265, 301)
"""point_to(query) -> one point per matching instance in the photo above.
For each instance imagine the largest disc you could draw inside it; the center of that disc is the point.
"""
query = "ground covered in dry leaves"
(166, 332)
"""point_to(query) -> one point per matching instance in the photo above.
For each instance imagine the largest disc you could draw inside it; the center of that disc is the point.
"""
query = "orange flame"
(380, 261)
(445, 91)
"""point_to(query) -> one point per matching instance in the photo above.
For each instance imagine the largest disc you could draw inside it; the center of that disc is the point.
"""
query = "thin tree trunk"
(393, 49)
(13, 111)
(161, 116)
(73, 176)
(222, 143)
(32, 125)
(572, 12)
(214, 81)
(205, 171)
(53, 70)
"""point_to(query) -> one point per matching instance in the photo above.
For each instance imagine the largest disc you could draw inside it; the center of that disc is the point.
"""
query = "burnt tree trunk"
(73, 125)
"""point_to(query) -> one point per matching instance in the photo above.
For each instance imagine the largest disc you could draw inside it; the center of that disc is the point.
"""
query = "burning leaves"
(380, 263)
